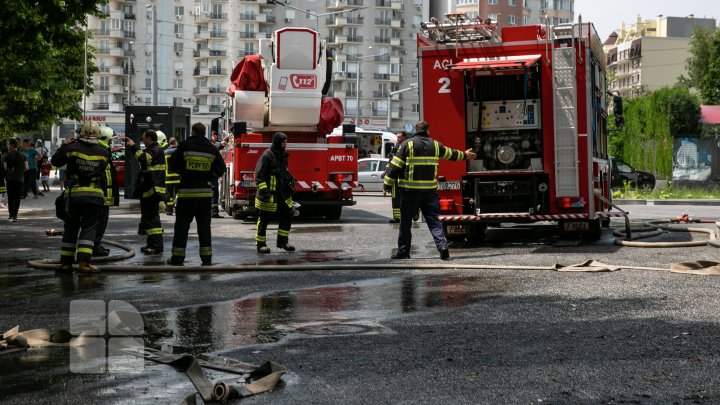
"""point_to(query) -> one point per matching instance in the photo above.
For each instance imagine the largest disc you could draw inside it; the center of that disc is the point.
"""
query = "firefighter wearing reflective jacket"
(275, 186)
(86, 162)
(150, 189)
(196, 161)
(394, 193)
(112, 195)
(172, 178)
(415, 169)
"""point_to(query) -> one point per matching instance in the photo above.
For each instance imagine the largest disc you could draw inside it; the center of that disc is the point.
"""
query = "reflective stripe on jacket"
(86, 162)
(152, 168)
(265, 177)
(416, 162)
(171, 177)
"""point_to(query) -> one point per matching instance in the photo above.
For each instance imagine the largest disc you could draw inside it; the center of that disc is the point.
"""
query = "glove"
(387, 188)
(161, 207)
(264, 195)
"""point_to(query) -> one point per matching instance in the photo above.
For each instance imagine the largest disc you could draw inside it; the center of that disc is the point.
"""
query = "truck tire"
(333, 212)
(595, 230)
(479, 231)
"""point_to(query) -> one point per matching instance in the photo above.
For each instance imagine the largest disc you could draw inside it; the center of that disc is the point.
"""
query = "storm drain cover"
(335, 329)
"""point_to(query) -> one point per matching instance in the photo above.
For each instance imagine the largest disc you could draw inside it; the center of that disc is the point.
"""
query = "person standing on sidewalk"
(415, 169)
(30, 183)
(196, 161)
(275, 186)
(86, 161)
(112, 195)
(172, 179)
(152, 189)
(15, 165)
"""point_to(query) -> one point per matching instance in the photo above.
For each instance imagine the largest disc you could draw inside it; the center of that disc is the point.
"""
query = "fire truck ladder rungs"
(565, 106)
(459, 29)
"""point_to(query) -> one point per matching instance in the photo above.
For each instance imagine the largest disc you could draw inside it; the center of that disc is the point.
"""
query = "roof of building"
(612, 38)
(710, 114)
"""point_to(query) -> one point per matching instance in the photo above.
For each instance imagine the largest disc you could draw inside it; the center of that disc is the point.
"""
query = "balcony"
(202, 109)
(247, 35)
(382, 58)
(397, 22)
(215, 108)
(381, 76)
(129, 52)
(102, 33)
(202, 35)
(101, 106)
(218, 34)
(218, 71)
(269, 19)
(356, 3)
(383, 3)
(218, 16)
(104, 69)
(380, 94)
(116, 33)
(129, 16)
(355, 20)
(103, 51)
(247, 17)
(382, 21)
(355, 39)
(351, 93)
(200, 90)
(382, 40)
(117, 70)
(101, 87)
(215, 90)
(117, 52)
(396, 42)
(128, 34)
(243, 53)
(217, 53)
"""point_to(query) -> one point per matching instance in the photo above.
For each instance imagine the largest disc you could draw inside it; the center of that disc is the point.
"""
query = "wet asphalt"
(384, 336)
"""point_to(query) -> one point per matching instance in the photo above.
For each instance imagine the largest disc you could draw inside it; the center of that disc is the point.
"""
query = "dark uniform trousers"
(396, 195)
(429, 203)
(150, 221)
(103, 217)
(81, 217)
(284, 215)
(215, 207)
(170, 196)
(14, 191)
(186, 210)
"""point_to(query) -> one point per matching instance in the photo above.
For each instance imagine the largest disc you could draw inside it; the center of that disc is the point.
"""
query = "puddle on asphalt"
(347, 309)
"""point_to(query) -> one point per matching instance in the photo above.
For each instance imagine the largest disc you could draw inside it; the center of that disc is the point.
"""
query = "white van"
(372, 143)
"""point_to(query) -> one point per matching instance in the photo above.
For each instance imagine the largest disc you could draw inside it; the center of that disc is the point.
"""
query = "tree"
(703, 65)
(42, 64)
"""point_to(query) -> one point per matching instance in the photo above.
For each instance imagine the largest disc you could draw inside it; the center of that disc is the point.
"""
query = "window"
(367, 166)
(148, 83)
(177, 101)
(309, 15)
(289, 14)
(415, 72)
(178, 66)
(511, 19)
(492, 2)
(178, 47)
(416, 108)
(493, 16)
(178, 29)
(395, 69)
(511, 2)
(179, 10)
(177, 83)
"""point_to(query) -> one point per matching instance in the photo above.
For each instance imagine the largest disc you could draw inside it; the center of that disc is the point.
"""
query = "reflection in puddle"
(356, 308)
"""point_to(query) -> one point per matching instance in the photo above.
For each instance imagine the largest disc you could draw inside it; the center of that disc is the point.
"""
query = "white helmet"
(161, 138)
(90, 128)
(106, 134)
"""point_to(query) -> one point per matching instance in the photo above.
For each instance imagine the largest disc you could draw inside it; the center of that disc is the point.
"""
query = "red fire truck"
(282, 89)
(531, 102)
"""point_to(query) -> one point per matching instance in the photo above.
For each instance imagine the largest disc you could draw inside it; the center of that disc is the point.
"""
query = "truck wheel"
(479, 231)
(595, 230)
(333, 212)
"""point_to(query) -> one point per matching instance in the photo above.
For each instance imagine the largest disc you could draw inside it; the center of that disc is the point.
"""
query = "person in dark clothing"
(30, 181)
(275, 186)
(112, 193)
(394, 193)
(172, 179)
(215, 205)
(15, 165)
(414, 167)
(152, 189)
(196, 161)
(86, 162)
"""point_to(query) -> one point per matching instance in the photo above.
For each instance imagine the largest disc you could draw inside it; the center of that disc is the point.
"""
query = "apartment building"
(199, 42)
(650, 54)
(519, 12)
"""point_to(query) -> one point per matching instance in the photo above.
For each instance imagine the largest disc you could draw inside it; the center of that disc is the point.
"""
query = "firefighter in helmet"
(151, 189)
(86, 162)
(196, 161)
(275, 186)
(172, 178)
(112, 194)
(414, 167)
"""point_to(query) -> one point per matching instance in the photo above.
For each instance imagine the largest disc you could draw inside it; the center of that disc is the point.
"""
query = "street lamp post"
(357, 84)
(154, 78)
(313, 14)
(413, 86)
(129, 73)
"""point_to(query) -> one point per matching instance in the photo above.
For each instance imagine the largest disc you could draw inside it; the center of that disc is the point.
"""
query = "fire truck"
(282, 89)
(531, 101)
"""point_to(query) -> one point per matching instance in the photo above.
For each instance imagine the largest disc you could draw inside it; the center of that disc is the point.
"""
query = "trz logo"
(303, 81)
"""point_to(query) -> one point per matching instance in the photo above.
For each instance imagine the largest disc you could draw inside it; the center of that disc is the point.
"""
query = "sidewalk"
(47, 202)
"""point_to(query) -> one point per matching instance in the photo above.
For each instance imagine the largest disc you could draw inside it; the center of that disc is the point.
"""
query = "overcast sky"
(607, 15)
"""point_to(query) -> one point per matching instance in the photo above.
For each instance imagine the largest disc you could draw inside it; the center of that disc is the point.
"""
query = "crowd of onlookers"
(23, 166)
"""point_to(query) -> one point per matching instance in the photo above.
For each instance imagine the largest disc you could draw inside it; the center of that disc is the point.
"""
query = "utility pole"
(154, 79)
(413, 86)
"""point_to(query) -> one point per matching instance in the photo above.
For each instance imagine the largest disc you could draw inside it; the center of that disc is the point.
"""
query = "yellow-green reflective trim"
(282, 232)
(86, 157)
(423, 161)
(85, 250)
(67, 253)
(194, 195)
(156, 168)
(154, 231)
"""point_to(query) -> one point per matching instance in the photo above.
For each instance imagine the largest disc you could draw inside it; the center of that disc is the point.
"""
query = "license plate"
(449, 185)
(247, 184)
(576, 226)
(457, 229)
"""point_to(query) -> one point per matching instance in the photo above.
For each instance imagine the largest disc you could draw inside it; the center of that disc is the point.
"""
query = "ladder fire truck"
(531, 102)
(282, 89)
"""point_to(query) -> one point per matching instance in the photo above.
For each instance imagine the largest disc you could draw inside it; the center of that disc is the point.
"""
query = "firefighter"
(86, 162)
(196, 161)
(112, 194)
(275, 186)
(415, 169)
(151, 189)
(172, 179)
(394, 193)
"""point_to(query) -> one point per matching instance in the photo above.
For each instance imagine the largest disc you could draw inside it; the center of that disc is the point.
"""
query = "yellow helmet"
(106, 134)
(90, 128)
(161, 138)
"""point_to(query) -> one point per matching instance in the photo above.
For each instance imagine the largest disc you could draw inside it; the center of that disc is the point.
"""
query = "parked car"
(118, 157)
(622, 172)
(370, 172)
